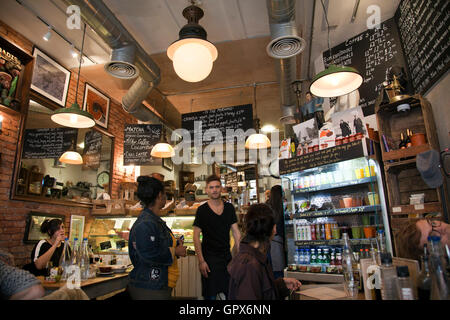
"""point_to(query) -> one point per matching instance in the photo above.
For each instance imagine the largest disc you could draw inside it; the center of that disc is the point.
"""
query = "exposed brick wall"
(13, 213)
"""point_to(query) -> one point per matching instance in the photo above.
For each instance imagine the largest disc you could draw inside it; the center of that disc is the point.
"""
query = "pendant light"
(192, 54)
(162, 149)
(257, 140)
(71, 156)
(74, 117)
(335, 80)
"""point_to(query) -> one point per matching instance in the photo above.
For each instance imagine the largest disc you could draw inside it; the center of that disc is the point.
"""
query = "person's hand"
(60, 237)
(204, 268)
(292, 284)
(180, 250)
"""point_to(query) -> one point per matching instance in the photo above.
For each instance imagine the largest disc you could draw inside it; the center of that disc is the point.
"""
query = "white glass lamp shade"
(71, 157)
(73, 117)
(257, 141)
(162, 150)
(192, 58)
(335, 81)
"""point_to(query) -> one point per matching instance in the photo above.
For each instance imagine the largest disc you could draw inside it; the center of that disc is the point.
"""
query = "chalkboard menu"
(92, 149)
(372, 53)
(335, 154)
(424, 29)
(231, 180)
(237, 117)
(48, 143)
(139, 140)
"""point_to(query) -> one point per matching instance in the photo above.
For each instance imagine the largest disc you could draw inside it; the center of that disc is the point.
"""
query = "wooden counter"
(302, 294)
(95, 288)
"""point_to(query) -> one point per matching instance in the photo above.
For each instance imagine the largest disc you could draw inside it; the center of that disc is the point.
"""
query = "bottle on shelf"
(313, 231)
(408, 142)
(406, 290)
(439, 283)
(402, 144)
(388, 274)
(313, 259)
(424, 279)
(307, 231)
(349, 269)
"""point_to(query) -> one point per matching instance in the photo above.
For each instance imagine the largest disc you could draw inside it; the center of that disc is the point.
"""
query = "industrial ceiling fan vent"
(285, 47)
(122, 63)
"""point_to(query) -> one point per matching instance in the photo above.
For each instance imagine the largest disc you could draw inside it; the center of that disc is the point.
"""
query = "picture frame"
(50, 79)
(76, 227)
(167, 163)
(32, 229)
(97, 104)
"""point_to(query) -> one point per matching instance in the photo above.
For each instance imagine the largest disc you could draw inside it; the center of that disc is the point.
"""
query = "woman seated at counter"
(152, 246)
(47, 253)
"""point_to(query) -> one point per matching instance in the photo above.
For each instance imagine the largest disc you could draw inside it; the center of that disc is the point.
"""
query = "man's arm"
(236, 235)
(202, 265)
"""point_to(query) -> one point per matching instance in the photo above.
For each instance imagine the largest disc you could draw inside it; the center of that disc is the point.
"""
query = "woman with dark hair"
(47, 251)
(251, 275)
(277, 254)
(152, 246)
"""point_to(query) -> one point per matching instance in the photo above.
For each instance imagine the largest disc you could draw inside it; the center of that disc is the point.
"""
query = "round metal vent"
(285, 47)
(122, 70)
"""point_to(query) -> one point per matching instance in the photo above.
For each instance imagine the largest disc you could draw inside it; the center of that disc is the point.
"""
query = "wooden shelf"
(416, 209)
(9, 110)
(404, 153)
(332, 242)
(390, 165)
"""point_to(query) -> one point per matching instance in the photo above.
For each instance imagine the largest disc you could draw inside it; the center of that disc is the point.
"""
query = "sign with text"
(92, 149)
(139, 139)
(335, 154)
(48, 143)
(234, 118)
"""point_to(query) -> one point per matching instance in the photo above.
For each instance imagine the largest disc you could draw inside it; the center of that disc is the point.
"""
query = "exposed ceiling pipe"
(285, 46)
(128, 59)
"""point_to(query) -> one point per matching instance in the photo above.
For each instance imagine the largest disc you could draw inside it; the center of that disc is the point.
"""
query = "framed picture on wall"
(33, 226)
(50, 79)
(76, 227)
(167, 163)
(97, 104)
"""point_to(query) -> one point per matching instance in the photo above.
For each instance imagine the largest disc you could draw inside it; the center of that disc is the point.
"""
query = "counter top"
(328, 292)
(95, 287)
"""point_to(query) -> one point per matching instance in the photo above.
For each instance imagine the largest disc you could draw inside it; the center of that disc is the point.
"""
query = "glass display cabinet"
(323, 202)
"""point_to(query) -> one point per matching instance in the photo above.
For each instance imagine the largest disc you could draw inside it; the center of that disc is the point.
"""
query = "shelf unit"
(338, 212)
(402, 177)
(336, 185)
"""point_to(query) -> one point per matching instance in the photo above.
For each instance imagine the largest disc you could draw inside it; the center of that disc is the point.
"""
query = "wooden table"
(298, 295)
(95, 288)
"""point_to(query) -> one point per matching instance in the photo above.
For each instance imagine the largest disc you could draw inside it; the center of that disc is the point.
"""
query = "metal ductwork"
(128, 59)
(285, 46)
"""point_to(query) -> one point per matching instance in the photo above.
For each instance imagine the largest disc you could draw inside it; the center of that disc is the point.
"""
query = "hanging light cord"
(328, 31)
(79, 67)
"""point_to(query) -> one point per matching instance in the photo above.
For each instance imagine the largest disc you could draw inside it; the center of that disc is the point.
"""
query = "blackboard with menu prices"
(231, 180)
(48, 143)
(425, 33)
(92, 149)
(319, 158)
(373, 53)
(139, 139)
(234, 118)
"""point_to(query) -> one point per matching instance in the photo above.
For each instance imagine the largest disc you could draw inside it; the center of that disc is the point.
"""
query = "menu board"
(424, 30)
(373, 53)
(48, 143)
(92, 149)
(319, 158)
(237, 117)
(231, 180)
(139, 139)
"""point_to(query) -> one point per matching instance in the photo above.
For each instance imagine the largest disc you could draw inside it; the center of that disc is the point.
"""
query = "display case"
(323, 202)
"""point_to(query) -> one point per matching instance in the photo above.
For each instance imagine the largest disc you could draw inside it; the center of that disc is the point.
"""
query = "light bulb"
(73, 118)
(48, 35)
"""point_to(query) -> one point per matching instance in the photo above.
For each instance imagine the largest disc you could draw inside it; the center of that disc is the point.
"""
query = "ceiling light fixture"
(257, 140)
(48, 35)
(74, 117)
(162, 149)
(73, 52)
(335, 80)
(192, 54)
(71, 156)
(268, 128)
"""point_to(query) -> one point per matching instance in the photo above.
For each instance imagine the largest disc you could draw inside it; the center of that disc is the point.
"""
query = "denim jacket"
(148, 247)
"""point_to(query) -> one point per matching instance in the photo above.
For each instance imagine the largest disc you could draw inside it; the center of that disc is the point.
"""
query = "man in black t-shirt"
(214, 220)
